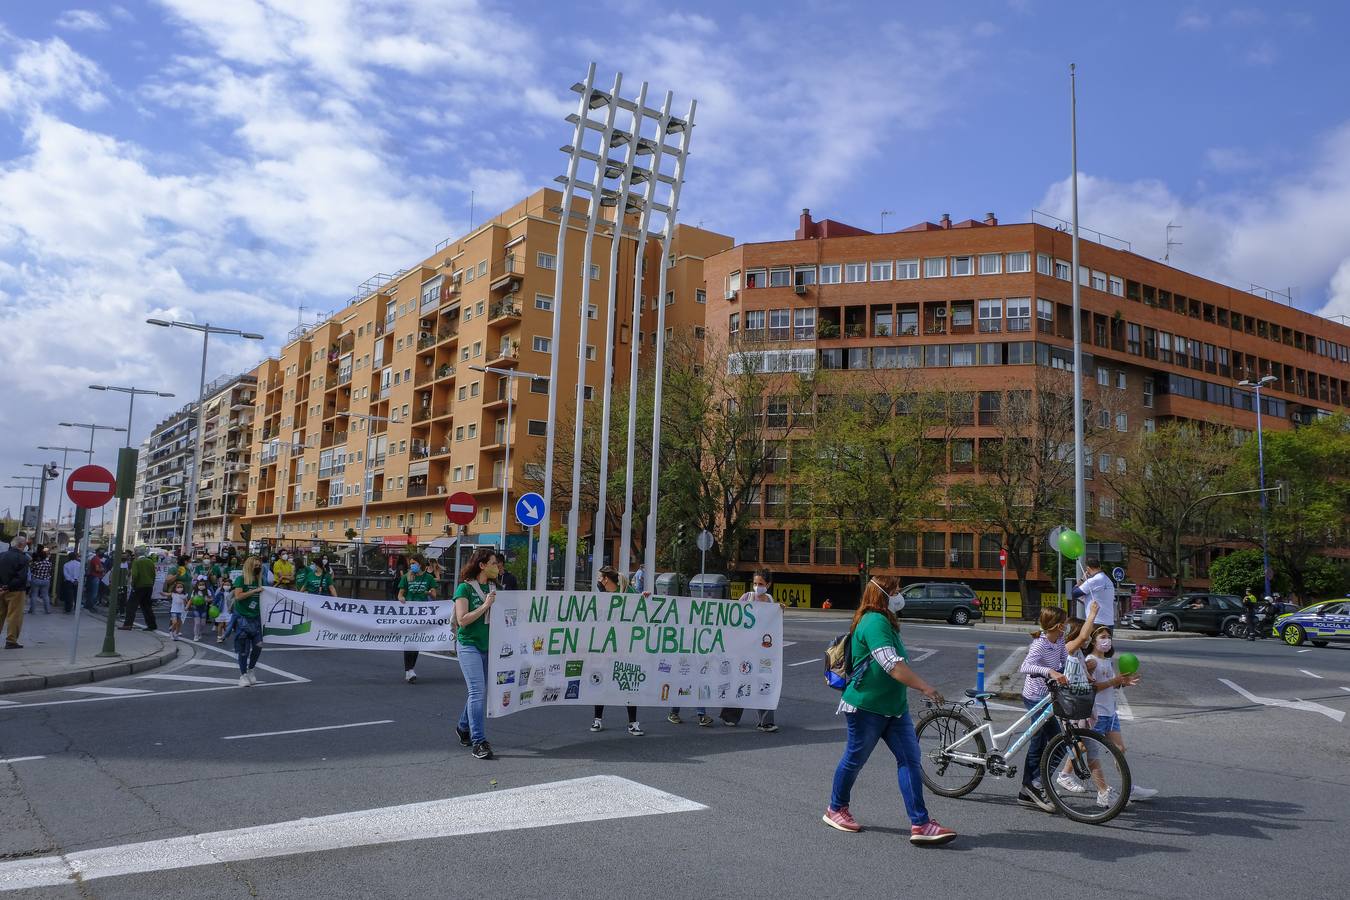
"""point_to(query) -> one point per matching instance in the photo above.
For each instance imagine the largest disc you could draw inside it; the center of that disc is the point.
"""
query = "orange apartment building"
(982, 305)
(402, 352)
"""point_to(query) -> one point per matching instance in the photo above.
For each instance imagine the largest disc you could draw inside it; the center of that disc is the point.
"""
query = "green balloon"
(1127, 663)
(1071, 543)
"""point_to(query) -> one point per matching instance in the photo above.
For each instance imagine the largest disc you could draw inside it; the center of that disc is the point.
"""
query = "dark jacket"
(13, 570)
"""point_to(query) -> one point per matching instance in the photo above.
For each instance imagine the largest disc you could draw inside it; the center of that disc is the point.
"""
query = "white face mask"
(1104, 645)
(897, 602)
(761, 590)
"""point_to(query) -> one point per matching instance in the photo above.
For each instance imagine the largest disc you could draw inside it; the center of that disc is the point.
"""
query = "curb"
(1121, 634)
(1002, 679)
(101, 671)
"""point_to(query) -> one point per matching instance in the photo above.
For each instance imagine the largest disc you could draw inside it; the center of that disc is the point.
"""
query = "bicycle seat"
(980, 695)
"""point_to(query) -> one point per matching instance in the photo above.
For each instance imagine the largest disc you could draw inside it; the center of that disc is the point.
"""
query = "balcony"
(448, 333)
(426, 340)
(333, 438)
(417, 490)
(445, 371)
(421, 414)
(424, 376)
(507, 354)
(505, 309)
(419, 450)
(507, 273)
(344, 377)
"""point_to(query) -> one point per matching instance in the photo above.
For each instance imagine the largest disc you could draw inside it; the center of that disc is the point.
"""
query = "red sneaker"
(841, 819)
(931, 833)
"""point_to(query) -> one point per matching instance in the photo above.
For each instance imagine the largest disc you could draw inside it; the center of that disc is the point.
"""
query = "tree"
(1321, 576)
(1242, 571)
(1311, 519)
(1168, 511)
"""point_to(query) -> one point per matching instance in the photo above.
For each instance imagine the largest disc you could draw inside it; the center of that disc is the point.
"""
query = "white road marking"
(923, 653)
(219, 663)
(9, 703)
(289, 676)
(1346, 689)
(201, 679)
(14, 759)
(107, 691)
(807, 662)
(240, 737)
(593, 799)
(831, 726)
(1335, 715)
(1123, 707)
(787, 644)
(1311, 674)
(1307, 650)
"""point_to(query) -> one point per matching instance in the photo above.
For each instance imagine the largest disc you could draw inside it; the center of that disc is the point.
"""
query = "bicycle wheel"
(937, 730)
(1086, 777)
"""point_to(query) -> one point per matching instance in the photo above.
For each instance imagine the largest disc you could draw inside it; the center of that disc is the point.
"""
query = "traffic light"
(680, 532)
(871, 557)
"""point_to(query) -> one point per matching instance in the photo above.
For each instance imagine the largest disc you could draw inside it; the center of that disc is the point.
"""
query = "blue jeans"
(247, 642)
(40, 589)
(1036, 746)
(473, 663)
(91, 586)
(865, 729)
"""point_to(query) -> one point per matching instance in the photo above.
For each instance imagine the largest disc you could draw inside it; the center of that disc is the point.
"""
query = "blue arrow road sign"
(1118, 573)
(530, 509)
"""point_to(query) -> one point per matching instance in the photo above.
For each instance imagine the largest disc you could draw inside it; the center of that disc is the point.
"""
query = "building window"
(991, 263)
(733, 326)
(935, 267)
(700, 296)
(779, 324)
(804, 275)
(538, 385)
(590, 352)
(990, 405)
(963, 265)
(1043, 264)
(1135, 340)
(780, 278)
(537, 427)
(854, 272)
(830, 274)
(826, 549)
(546, 260)
(963, 551)
(881, 271)
(544, 302)
(774, 543)
(1063, 271)
(699, 332)
(542, 344)
(1122, 421)
(1120, 381)
(934, 550)
(906, 269)
(1019, 314)
(991, 315)
(1019, 262)
(749, 549)
(804, 324)
(1099, 281)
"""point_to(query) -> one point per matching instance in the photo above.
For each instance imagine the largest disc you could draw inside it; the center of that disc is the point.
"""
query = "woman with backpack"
(876, 705)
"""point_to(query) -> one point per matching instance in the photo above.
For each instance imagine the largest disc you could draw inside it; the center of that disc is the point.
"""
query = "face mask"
(285, 558)
(897, 602)
(1104, 645)
(761, 590)
(316, 568)
(414, 568)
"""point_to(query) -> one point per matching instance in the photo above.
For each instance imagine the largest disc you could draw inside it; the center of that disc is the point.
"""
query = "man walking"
(70, 582)
(142, 581)
(93, 580)
(1098, 586)
(14, 589)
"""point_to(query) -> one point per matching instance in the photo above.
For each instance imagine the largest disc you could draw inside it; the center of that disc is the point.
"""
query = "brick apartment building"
(402, 351)
(983, 305)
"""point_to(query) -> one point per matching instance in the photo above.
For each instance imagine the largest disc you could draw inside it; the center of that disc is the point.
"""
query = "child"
(198, 604)
(1107, 720)
(177, 606)
(224, 600)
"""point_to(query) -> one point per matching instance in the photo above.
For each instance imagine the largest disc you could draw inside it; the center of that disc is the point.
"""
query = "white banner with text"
(554, 648)
(319, 620)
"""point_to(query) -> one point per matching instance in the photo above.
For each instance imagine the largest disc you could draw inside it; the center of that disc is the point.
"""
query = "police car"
(1318, 624)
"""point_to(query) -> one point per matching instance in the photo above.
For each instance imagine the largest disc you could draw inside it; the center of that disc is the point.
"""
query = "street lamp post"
(206, 330)
(48, 473)
(1261, 469)
(65, 453)
(506, 463)
(81, 550)
(365, 480)
(131, 406)
(30, 487)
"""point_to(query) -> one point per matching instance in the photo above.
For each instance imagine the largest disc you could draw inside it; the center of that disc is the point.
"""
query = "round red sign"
(461, 508)
(89, 487)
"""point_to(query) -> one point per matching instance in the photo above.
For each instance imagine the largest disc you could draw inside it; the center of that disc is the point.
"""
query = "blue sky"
(230, 161)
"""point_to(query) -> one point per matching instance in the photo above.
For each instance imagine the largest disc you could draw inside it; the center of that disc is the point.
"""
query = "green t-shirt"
(875, 690)
(143, 572)
(313, 583)
(250, 607)
(475, 634)
(418, 587)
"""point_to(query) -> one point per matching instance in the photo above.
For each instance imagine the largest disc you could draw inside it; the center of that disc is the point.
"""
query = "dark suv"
(1210, 613)
(955, 603)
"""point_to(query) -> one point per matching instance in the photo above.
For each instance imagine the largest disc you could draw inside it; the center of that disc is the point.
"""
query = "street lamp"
(65, 453)
(206, 331)
(1261, 469)
(506, 463)
(131, 407)
(48, 473)
(365, 480)
(31, 486)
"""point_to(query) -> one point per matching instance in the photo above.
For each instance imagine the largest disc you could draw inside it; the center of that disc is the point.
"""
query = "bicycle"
(1085, 776)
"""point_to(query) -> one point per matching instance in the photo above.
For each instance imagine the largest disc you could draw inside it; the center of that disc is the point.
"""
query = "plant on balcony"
(883, 331)
(827, 329)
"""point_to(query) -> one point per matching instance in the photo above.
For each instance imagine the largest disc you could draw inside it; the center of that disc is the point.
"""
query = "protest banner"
(550, 648)
(319, 620)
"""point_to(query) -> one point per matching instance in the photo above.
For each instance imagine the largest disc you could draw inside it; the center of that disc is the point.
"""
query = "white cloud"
(1231, 159)
(1263, 54)
(1285, 232)
(45, 72)
(81, 20)
(1194, 20)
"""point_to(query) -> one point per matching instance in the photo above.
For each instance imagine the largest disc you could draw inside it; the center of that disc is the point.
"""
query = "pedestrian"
(93, 577)
(199, 604)
(315, 578)
(473, 601)
(417, 586)
(876, 708)
(507, 581)
(394, 575)
(1046, 659)
(40, 581)
(611, 582)
(70, 583)
(142, 582)
(1099, 587)
(1106, 719)
(1249, 613)
(759, 593)
(283, 572)
(14, 564)
(178, 604)
(246, 620)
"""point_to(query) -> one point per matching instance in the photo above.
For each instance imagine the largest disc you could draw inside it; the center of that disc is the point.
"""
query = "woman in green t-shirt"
(473, 598)
(246, 620)
(415, 586)
(877, 708)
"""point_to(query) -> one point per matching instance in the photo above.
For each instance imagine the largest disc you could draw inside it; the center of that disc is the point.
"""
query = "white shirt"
(1101, 588)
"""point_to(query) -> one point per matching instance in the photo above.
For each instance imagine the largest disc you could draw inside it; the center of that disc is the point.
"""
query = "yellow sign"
(991, 603)
(798, 595)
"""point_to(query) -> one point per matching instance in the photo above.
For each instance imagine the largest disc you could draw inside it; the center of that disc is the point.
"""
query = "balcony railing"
(424, 376)
(446, 333)
(417, 490)
(421, 414)
(507, 271)
(445, 371)
(506, 308)
(425, 341)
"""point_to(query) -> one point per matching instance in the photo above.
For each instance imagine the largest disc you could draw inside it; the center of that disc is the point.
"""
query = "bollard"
(979, 669)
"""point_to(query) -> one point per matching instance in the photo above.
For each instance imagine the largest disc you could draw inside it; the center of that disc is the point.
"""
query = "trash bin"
(713, 586)
(671, 584)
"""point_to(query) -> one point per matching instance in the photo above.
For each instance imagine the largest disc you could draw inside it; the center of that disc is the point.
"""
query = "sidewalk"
(44, 661)
(1121, 634)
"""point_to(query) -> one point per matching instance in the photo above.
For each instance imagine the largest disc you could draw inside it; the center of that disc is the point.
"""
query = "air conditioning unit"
(940, 312)
(799, 289)
(955, 556)
(731, 295)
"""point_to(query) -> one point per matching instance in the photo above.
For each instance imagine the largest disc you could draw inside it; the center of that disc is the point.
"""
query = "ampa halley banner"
(318, 620)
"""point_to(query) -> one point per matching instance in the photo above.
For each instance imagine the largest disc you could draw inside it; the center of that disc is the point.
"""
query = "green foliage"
(1241, 571)
(1321, 578)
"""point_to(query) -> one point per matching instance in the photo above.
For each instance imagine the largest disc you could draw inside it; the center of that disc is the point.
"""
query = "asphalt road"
(1253, 788)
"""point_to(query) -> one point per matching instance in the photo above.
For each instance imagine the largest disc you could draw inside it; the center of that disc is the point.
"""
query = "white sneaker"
(410, 676)
(1067, 782)
(244, 682)
(1138, 793)
(252, 679)
(597, 725)
(1107, 798)
(635, 729)
(173, 636)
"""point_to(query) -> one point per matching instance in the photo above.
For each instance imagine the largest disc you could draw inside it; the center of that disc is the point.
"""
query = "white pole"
(649, 564)
(83, 552)
(579, 419)
(1079, 481)
(550, 434)
(601, 506)
(1005, 593)
(635, 346)
(529, 570)
(196, 447)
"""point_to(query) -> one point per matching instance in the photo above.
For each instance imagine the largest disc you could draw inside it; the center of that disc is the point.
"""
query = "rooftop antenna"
(300, 315)
(884, 214)
(1169, 243)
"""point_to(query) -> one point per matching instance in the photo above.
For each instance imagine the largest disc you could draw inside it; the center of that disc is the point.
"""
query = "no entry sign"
(461, 508)
(89, 487)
